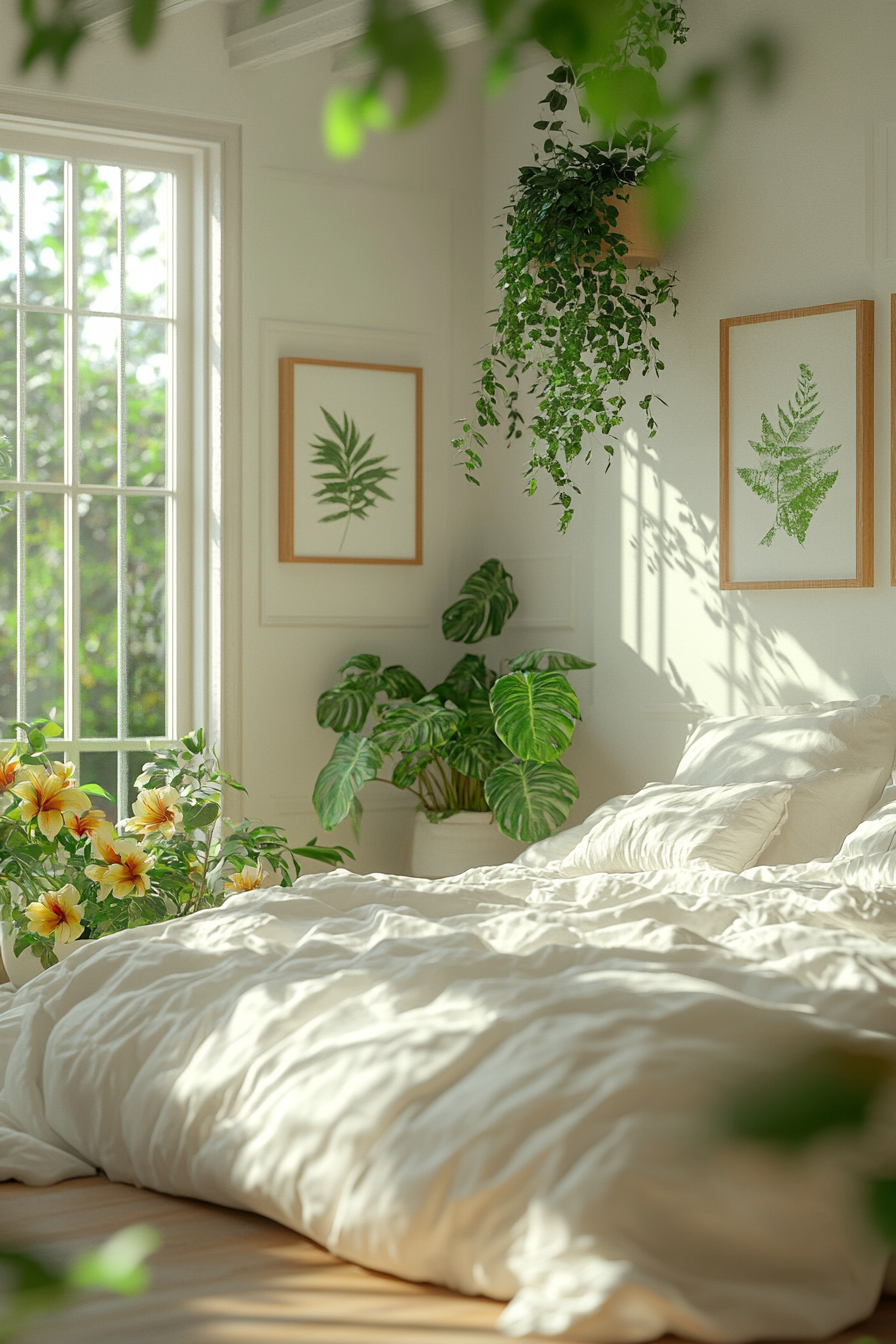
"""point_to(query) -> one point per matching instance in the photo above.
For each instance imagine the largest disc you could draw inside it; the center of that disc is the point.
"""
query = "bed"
(509, 1083)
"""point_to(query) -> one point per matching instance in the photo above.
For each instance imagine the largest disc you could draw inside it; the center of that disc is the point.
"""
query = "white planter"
(466, 840)
(25, 967)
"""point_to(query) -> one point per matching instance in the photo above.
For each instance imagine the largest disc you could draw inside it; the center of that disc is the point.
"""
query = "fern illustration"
(791, 476)
(353, 481)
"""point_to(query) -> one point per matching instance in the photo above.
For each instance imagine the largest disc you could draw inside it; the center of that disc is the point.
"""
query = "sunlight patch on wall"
(707, 645)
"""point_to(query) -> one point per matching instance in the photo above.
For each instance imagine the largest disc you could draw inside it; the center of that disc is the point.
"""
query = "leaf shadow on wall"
(708, 645)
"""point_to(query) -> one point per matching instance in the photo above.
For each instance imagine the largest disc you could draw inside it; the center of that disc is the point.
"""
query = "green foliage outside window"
(98, 421)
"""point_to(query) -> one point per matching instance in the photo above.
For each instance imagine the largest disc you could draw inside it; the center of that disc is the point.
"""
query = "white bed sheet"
(507, 1082)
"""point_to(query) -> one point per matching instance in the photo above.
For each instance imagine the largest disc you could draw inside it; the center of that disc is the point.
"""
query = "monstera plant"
(475, 742)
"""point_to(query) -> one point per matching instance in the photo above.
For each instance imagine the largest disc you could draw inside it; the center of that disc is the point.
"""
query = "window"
(95, 489)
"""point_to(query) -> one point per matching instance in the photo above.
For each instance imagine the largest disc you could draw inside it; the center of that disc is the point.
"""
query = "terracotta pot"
(634, 225)
(23, 968)
(466, 840)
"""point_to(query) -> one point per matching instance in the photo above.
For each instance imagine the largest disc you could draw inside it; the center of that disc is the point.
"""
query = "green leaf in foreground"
(832, 1089)
(354, 763)
(881, 1200)
(117, 1265)
(530, 799)
(487, 603)
(535, 713)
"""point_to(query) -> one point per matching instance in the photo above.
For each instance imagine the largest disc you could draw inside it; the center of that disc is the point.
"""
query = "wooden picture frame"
(351, 414)
(825, 537)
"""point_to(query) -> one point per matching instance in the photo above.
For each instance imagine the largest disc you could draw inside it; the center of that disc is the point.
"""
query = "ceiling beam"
(303, 26)
(105, 18)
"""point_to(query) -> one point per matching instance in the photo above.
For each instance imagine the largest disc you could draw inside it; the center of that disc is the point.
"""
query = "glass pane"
(7, 610)
(9, 212)
(8, 390)
(44, 218)
(99, 282)
(146, 371)
(99, 616)
(146, 617)
(44, 396)
(101, 767)
(44, 605)
(146, 229)
(98, 399)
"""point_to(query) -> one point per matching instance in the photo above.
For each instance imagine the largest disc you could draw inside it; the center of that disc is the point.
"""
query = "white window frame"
(204, 546)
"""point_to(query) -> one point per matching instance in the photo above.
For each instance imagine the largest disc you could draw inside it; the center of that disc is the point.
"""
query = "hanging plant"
(576, 320)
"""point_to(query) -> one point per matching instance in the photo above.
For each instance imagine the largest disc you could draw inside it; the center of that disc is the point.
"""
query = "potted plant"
(477, 750)
(68, 875)
(577, 313)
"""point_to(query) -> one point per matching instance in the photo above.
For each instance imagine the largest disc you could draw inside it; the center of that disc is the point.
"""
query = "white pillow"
(877, 832)
(556, 847)
(794, 741)
(676, 826)
(822, 810)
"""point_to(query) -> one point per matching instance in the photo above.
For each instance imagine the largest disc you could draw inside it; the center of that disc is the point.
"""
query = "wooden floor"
(232, 1278)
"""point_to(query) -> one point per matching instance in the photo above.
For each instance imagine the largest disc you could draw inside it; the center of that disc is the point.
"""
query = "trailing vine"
(574, 322)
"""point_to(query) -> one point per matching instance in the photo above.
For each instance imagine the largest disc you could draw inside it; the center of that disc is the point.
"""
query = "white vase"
(25, 967)
(466, 840)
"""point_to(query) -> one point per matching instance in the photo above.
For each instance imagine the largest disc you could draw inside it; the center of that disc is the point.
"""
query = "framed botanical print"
(351, 463)
(797, 448)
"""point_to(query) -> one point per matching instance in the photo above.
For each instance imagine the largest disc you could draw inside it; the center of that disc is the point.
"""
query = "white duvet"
(507, 1082)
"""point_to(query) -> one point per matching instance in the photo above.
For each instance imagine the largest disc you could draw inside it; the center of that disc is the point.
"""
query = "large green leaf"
(364, 662)
(399, 684)
(487, 603)
(476, 753)
(467, 677)
(535, 713)
(555, 660)
(354, 762)
(346, 706)
(530, 799)
(410, 727)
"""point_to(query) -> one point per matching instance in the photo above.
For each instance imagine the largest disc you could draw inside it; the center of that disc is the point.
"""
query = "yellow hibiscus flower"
(94, 823)
(9, 766)
(56, 914)
(46, 796)
(156, 810)
(125, 871)
(247, 879)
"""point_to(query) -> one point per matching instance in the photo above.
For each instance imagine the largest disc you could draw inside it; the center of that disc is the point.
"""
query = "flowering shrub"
(66, 872)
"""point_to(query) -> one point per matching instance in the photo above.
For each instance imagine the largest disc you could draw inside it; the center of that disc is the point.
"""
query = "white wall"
(782, 221)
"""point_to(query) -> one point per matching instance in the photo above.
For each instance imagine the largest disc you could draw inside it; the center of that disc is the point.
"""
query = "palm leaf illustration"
(352, 479)
(791, 476)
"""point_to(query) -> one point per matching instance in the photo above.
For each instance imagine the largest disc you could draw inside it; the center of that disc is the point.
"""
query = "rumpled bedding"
(507, 1082)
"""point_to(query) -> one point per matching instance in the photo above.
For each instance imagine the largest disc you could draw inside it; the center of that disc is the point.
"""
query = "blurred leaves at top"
(616, 47)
